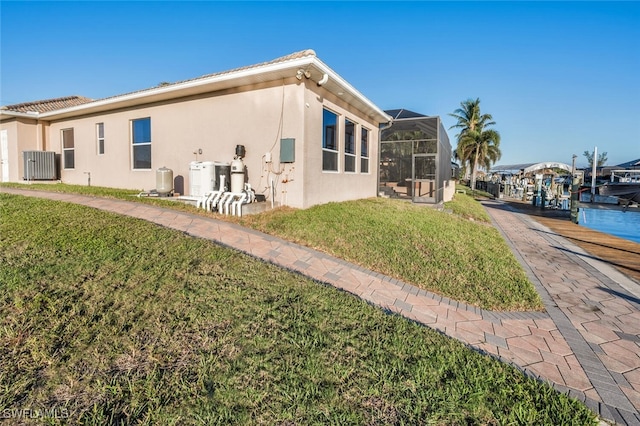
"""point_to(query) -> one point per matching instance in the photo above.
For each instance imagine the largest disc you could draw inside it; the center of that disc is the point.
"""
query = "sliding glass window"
(141, 143)
(349, 146)
(329, 141)
(68, 149)
(364, 151)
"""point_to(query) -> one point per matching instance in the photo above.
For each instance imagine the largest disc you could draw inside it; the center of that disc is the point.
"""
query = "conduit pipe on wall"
(273, 192)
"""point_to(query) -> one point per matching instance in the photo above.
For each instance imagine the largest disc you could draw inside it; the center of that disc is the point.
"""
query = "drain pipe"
(273, 193)
(88, 178)
(29, 175)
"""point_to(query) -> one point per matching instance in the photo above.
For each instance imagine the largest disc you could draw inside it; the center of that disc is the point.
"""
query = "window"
(141, 141)
(349, 146)
(364, 151)
(329, 141)
(100, 137)
(68, 149)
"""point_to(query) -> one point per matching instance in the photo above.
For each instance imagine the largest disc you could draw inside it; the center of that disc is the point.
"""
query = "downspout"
(40, 132)
(380, 130)
(38, 136)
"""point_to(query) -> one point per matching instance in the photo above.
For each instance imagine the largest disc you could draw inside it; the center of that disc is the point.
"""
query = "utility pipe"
(222, 201)
(231, 197)
(236, 206)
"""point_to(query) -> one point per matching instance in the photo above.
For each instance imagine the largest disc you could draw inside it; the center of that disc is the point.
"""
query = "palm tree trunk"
(473, 172)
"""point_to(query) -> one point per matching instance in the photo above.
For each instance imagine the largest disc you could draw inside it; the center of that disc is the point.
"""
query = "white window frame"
(100, 138)
(135, 144)
(336, 139)
(350, 156)
(68, 150)
(364, 159)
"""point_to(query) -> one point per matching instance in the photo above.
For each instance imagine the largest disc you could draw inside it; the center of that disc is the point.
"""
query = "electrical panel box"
(287, 150)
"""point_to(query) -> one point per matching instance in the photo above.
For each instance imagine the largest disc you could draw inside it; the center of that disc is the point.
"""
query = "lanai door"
(424, 178)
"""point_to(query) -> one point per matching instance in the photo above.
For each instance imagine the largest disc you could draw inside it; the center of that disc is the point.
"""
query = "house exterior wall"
(320, 185)
(256, 116)
(214, 124)
(22, 135)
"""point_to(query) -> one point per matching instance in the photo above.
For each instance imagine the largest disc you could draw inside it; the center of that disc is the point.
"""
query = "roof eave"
(342, 89)
(270, 72)
(6, 114)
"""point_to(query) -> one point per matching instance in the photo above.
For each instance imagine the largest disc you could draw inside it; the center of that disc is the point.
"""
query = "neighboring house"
(309, 136)
(627, 165)
(415, 158)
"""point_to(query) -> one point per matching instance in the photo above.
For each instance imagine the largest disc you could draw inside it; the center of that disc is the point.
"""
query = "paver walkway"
(586, 344)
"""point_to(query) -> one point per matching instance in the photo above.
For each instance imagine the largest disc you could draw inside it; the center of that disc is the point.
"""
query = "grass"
(103, 192)
(457, 255)
(448, 254)
(113, 320)
(465, 205)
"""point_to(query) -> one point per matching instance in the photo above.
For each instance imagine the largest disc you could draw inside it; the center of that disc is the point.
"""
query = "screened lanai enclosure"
(415, 158)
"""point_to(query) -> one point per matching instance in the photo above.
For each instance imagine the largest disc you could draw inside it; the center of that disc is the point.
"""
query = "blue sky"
(559, 78)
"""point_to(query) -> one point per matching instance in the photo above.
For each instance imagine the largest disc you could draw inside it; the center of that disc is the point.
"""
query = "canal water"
(623, 224)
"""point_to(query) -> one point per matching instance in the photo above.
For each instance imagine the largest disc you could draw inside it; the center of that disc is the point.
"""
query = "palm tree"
(479, 149)
(477, 145)
(469, 117)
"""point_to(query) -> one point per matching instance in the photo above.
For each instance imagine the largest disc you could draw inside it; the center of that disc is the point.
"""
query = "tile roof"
(292, 56)
(296, 55)
(47, 105)
(71, 101)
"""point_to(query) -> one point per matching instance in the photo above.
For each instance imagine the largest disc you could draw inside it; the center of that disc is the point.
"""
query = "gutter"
(5, 113)
(139, 95)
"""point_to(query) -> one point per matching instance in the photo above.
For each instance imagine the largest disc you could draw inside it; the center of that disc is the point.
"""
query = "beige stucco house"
(309, 136)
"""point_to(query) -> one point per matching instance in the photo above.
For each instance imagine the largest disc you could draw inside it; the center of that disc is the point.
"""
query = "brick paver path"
(586, 344)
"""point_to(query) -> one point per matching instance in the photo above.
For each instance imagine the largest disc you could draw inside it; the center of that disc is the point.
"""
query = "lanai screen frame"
(405, 140)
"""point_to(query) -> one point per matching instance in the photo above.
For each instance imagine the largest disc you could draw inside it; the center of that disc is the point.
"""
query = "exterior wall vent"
(39, 165)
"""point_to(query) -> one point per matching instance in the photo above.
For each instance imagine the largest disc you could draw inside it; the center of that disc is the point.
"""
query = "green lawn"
(458, 255)
(115, 320)
(467, 260)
